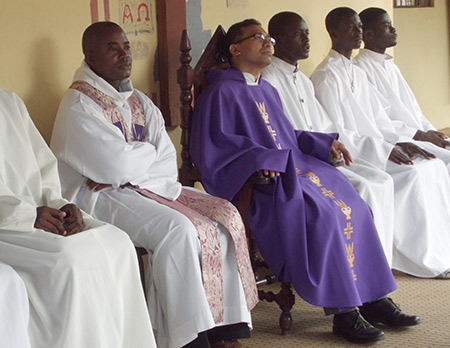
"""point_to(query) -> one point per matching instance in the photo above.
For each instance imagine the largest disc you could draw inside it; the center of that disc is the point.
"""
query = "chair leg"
(285, 299)
(140, 254)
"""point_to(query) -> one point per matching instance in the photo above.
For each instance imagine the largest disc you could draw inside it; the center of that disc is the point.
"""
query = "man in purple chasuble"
(118, 162)
(311, 226)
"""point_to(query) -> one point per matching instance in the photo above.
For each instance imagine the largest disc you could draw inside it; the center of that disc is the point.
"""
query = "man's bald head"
(369, 16)
(279, 22)
(95, 32)
(336, 16)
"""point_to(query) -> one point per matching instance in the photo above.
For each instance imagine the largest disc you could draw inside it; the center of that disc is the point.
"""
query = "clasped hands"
(65, 221)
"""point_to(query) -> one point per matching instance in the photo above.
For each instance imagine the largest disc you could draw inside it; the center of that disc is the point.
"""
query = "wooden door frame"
(171, 21)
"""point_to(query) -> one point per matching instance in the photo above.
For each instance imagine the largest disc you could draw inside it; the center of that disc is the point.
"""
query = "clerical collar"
(125, 86)
(250, 79)
(285, 66)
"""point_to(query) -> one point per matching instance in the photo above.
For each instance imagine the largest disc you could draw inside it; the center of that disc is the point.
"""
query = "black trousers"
(227, 332)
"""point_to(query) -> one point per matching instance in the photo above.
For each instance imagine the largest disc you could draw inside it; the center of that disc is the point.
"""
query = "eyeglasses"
(259, 36)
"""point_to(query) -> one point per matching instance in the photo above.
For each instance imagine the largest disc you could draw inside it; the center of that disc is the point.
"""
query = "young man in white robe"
(14, 310)
(81, 275)
(305, 113)
(385, 76)
(421, 184)
(117, 162)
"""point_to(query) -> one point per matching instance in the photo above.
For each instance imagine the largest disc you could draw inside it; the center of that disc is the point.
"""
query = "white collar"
(341, 57)
(285, 66)
(250, 79)
(86, 74)
(380, 57)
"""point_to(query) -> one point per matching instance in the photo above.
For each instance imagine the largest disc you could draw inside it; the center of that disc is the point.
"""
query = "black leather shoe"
(354, 328)
(385, 311)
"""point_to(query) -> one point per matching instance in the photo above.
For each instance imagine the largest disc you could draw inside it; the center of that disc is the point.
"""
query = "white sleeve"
(372, 149)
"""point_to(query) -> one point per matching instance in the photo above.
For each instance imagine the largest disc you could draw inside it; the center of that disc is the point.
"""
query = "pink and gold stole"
(198, 207)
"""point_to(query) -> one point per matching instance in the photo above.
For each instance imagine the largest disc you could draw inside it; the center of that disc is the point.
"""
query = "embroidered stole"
(198, 207)
(112, 112)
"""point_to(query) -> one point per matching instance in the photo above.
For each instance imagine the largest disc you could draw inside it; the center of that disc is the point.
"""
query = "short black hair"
(335, 17)
(235, 31)
(94, 32)
(370, 15)
(277, 24)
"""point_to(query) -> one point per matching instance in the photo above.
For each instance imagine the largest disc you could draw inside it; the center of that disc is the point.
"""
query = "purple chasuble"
(311, 226)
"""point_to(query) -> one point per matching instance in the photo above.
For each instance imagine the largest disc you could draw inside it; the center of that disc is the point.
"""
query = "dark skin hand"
(66, 221)
(337, 150)
(95, 186)
(92, 185)
(271, 173)
(410, 149)
(434, 137)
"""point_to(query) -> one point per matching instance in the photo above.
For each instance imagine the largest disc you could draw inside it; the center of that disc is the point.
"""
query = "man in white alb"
(14, 311)
(81, 275)
(421, 184)
(385, 76)
(305, 113)
(117, 162)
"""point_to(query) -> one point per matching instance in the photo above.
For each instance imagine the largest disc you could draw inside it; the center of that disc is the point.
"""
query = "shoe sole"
(358, 340)
(377, 322)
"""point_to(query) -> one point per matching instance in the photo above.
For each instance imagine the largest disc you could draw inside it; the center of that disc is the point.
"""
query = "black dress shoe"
(385, 311)
(354, 328)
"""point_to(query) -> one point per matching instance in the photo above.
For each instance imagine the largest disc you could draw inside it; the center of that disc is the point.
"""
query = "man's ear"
(278, 40)
(332, 33)
(89, 58)
(368, 35)
(234, 50)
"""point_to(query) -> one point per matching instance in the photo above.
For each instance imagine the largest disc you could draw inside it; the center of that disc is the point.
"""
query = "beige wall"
(41, 45)
(203, 17)
(41, 49)
(314, 12)
(423, 55)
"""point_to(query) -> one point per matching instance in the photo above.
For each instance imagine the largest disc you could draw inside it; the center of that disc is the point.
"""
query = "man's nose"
(124, 53)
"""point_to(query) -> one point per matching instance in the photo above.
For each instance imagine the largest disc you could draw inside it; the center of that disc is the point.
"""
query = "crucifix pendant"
(352, 88)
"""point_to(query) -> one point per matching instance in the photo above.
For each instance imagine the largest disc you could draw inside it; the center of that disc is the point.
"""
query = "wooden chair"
(141, 252)
(191, 82)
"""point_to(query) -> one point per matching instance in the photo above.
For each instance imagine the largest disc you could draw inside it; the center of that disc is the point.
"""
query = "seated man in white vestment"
(81, 275)
(117, 162)
(421, 184)
(14, 311)
(304, 111)
(385, 76)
